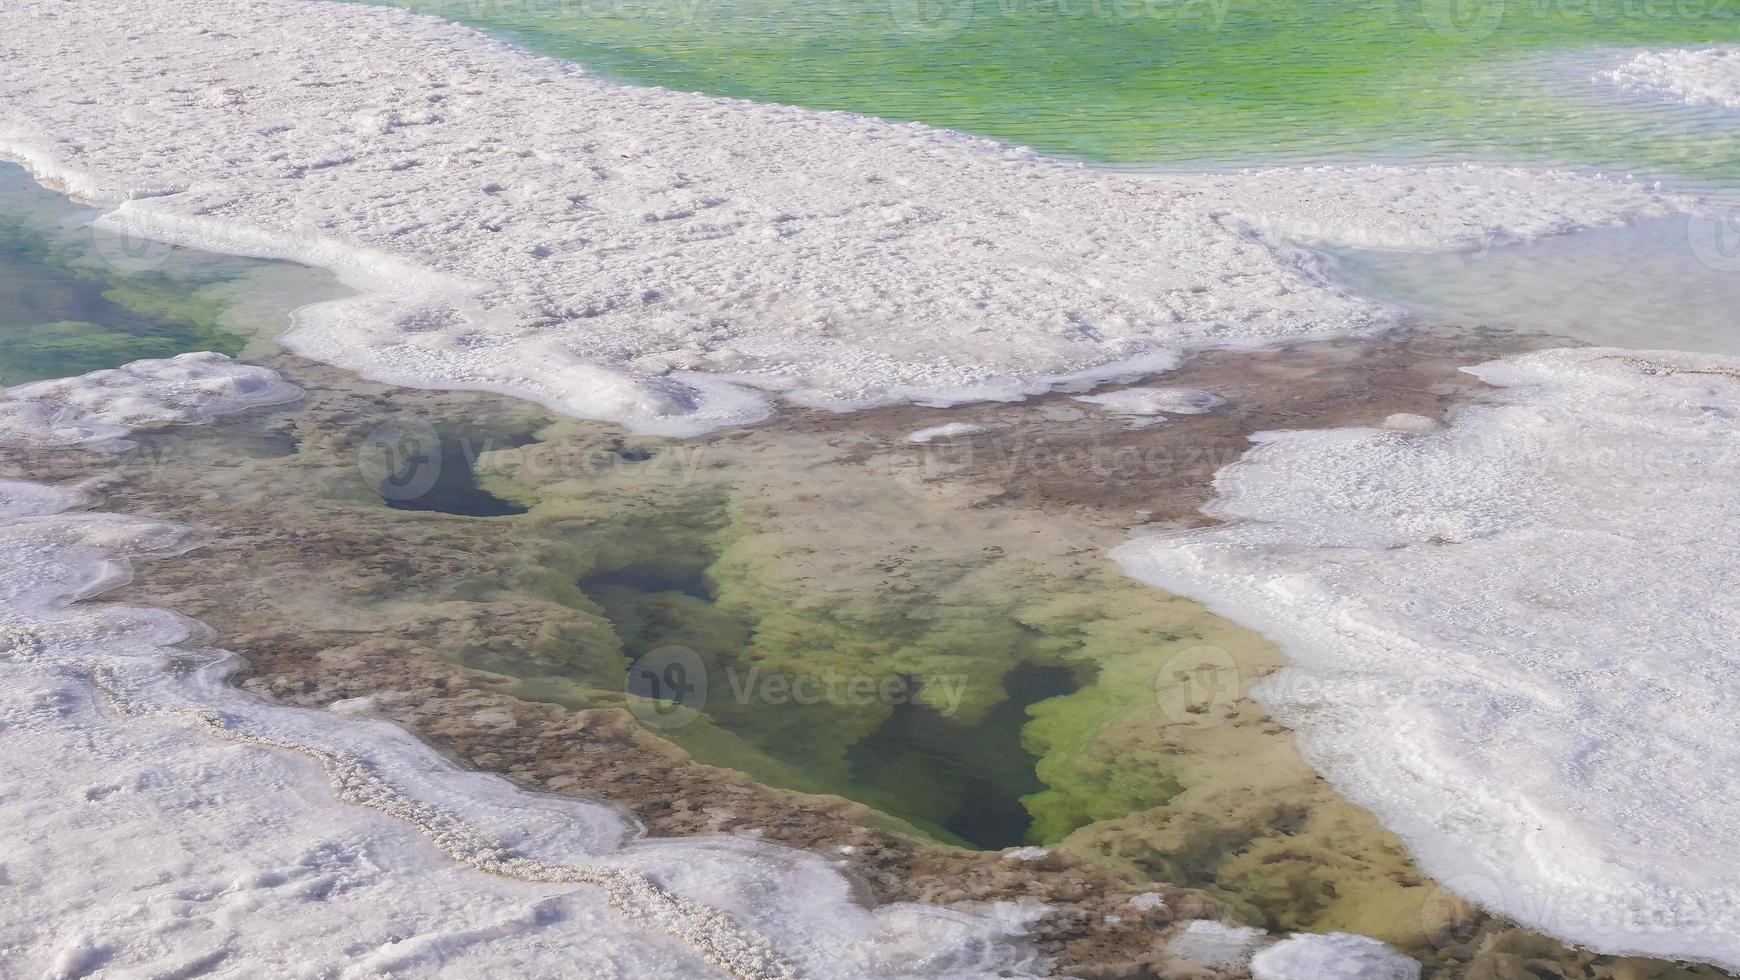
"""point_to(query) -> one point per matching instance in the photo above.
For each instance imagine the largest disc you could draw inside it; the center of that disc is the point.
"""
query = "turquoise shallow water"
(1176, 81)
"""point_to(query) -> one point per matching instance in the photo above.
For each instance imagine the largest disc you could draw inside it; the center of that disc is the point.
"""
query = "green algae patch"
(899, 674)
(1083, 782)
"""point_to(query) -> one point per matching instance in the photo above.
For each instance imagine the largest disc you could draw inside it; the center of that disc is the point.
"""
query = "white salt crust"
(1156, 401)
(184, 390)
(164, 823)
(1513, 636)
(671, 260)
(1336, 956)
(1144, 402)
(948, 430)
(1215, 945)
(1695, 76)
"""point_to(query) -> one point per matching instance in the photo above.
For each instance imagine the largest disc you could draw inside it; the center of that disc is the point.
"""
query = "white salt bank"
(1513, 636)
(674, 261)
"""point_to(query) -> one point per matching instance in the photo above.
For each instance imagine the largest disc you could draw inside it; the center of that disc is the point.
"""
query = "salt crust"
(103, 405)
(1335, 956)
(1215, 945)
(147, 844)
(1155, 401)
(1513, 636)
(1695, 76)
(671, 260)
(947, 430)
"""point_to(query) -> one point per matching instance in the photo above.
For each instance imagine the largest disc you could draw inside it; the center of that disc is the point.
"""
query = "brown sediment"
(1053, 451)
(329, 596)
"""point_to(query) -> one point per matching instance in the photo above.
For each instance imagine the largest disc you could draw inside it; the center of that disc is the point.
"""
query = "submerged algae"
(818, 527)
(899, 662)
(75, 298)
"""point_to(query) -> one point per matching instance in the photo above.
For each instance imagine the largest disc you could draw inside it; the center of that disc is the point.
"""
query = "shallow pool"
(76, 298)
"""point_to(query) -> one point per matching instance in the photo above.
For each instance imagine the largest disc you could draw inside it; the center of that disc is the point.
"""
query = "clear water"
(660, 580)
(75, 299)
(1672, 284)
(443, 479)
(1174, 81)
(972, 778)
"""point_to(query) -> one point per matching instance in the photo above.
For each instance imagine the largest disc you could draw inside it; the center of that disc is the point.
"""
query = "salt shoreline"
(1509, 635)
(304, 659)
(583, 254)
(441, 321)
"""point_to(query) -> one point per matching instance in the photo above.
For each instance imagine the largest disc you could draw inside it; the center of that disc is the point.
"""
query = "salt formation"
(1336, 956)
(1513, 636)
(1696, 76)
(1214, 945)
(1143, 405)
(182, 390)
(946, 431)
(168, 822)
(674, 261)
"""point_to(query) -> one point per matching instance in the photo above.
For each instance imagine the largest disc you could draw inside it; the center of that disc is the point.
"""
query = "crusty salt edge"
(188, 389)
(672, 261)
(1511, 636)
(146, 663)
(738, 951)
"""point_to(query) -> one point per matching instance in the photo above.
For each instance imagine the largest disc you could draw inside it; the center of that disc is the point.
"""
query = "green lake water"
(1138, 82)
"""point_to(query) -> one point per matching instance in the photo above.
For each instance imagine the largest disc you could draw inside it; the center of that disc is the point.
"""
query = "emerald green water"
(1175, 81)
(75, 299)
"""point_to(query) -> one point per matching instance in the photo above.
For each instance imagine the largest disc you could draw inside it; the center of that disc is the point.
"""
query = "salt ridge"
(102, 405)
(675, 261)
(209, 854)
(1512, 635)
